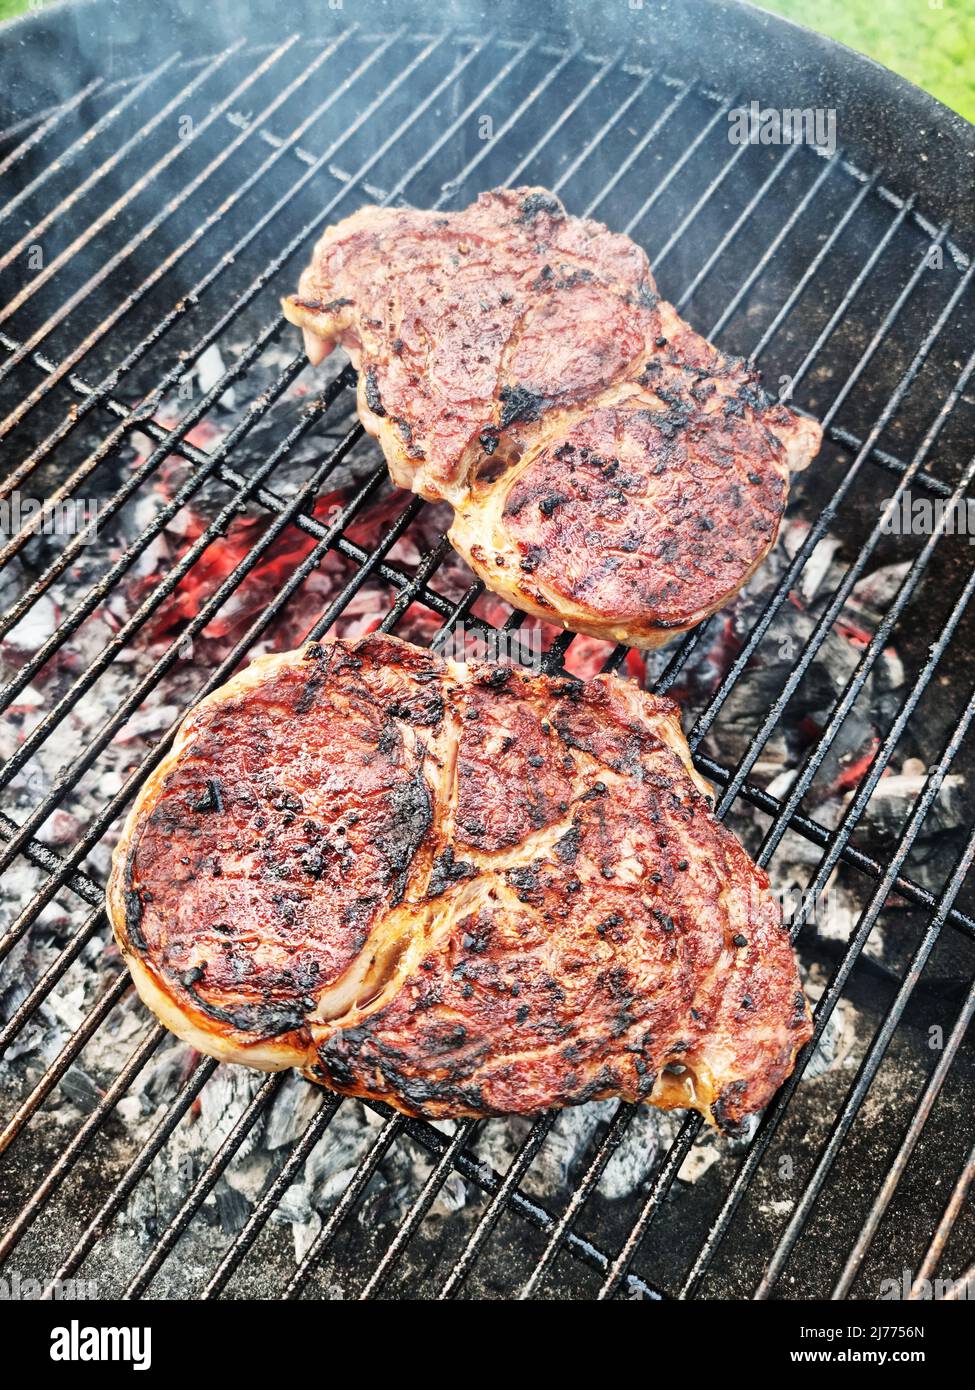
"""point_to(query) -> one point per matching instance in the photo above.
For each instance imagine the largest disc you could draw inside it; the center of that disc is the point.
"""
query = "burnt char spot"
(267, 1019)
(520, 403)
(488, 440)
(524, 878)
(494, 677)
(540, 202)
(318, 306)
(798, 1019)
(727, 1104)
(597, 790)
(334, 1067)
(648, 296)
(425, 710)
(373, 399)
(548, 504)
(412, 816)
(133, 920)
(575, 277)
(568, 847)
(309, 692)
(210, 799)
(448, 870)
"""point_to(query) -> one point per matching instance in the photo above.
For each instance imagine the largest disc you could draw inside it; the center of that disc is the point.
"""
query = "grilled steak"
(459, 889)
(608, 467)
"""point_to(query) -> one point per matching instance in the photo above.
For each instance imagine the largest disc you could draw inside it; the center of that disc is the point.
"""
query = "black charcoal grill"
(163, 180)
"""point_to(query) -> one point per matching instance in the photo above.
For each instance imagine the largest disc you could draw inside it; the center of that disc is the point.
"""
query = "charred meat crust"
(461, 890)
(607, 465)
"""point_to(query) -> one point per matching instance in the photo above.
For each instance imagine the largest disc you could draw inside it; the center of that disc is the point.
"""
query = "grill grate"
(856, 306)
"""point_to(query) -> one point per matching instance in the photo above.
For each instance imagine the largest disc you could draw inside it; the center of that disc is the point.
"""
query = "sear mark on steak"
(510, 355)
(459, 889)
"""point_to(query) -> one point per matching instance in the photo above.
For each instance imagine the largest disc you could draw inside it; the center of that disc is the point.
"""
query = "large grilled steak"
(459, 889)
(609, 468)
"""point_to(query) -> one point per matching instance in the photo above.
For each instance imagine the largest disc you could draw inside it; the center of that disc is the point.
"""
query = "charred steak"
(459, 889)
(608, 467)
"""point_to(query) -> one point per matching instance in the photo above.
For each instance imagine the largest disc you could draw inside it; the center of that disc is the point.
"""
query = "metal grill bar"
(333, 460)
(54, 973)
(204, 1185)
(780, 238)
(83, 1034)
(411, 1222)
(935, 1250)
(864, 1078)
(100, 394)
(538, 1135)
(63, 1165)
(866, 550)
(676, 168)
(567, 112)
(733, 786)
(390, 1132)
(826, 516)
(812, 269)
(646, 139)
(777, 171)
(106, 217)
(531, 1211)
(167, 264)
(14, 156)
(818, 834)
(137, 240)
(855, 684)
(662, 1183)
(72, 773)
(37, 230)
(843, 308)
(519, 1167)
(79, 147)
(689, 218)
(693, 1124)
(97, 1227)
(580, 1196)
(23, 754)
(819, 882)
(259, 1216)
(896, 1171)
(83, 610)
(596, 140)
(830, 997)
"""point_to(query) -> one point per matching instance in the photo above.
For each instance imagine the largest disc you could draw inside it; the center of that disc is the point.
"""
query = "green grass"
(933, 47)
